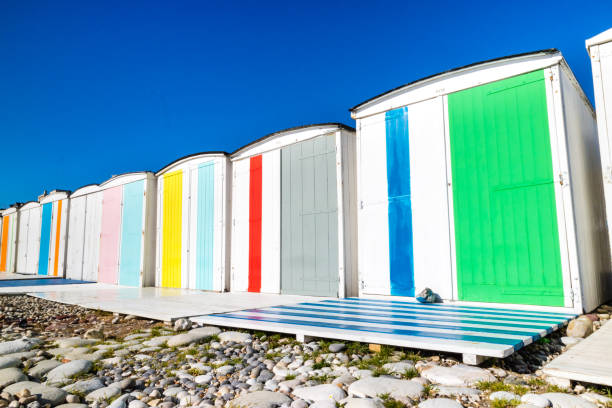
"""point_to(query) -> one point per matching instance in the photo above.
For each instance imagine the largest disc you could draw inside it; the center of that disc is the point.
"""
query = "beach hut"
(127, 231)
(293, 213)
(600, 53)
(483, 184)
(84, 227)
(28, 238)
(8, 241)
(192, 228)
(53, 227)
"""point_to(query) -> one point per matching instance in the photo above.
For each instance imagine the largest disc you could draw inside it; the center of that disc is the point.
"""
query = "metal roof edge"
(549, 51)
(603, 37)
(189, 156)
(83, 187)
(338, 125)
(116, 176)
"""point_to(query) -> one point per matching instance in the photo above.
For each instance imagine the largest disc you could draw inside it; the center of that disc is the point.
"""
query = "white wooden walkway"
(588, 361)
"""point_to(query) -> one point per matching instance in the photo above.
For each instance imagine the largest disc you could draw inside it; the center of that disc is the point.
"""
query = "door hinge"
(361, 205)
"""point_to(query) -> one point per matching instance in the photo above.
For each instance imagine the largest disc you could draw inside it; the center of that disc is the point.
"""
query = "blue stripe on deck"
(9, 283)
(404, 322)
(399, 323)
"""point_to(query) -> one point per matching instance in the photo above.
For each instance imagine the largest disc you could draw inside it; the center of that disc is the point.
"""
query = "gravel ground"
(60, 355)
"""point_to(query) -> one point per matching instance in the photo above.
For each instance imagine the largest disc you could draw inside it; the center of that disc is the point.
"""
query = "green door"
(506, 231)
(309, 218)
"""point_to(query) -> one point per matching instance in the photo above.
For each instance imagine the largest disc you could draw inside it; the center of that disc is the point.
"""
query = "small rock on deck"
(588, 361)
(476, 332)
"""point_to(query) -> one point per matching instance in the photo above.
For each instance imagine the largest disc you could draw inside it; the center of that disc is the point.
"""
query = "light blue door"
(205, 226)
(45, 239)
(131, 234)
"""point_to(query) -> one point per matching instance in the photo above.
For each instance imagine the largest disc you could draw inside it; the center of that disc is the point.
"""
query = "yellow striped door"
(172, 229)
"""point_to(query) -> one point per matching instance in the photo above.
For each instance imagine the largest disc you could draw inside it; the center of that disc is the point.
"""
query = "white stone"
(9, 361)
(560, 400)
(536, 399)
(10, 376)
(107, 362)
(52, 395)
(320, 393)
(156, 341)
(17, 346)
(43, 367)
(359, 374)
(352, 402)
(345, 379)
(260, 399)
(234, 336)
(559, 382)
(225, 370)
(62, 374)
(458, 375)
(103, 394)
(581, 327)
(451, 390)
(120, 402)
(142, 357)
(399, 367)
(570, 341)
(137, 404)
(440, 403)
(182, 324)
(504, 395)
(72, 405)
(402, 390)
(136, 336)
(192, 336)
(203, 379)
(324, 404)
(84, 386)
(74, 342)
(596, 398)
(172, 391)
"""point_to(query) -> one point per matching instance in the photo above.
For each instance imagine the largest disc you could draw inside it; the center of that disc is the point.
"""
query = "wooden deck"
(588, 361)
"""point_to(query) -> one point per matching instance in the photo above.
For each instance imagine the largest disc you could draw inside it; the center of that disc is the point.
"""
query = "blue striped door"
(205, 226)
(131, 234)
(45, 239)
(401, 259)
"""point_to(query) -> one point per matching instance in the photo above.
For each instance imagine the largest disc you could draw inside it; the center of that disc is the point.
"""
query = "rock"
(192, 336)
(260, 399)
(84, 386)
(17, 346)
(570, 341)
(61, 374)
(320, 393)
(46, 394)
(9, 361)
(225, 370)
(73, 342)
(203, 379)
(137, 404)
(10, 376)
(72, 399)
(73, 405)
(120, 402)
(234, 336)
(581, 327)
(324, 404)
(558, 381)
(344, 379)
(182, 324)
(458, 375)
(596, 398)
(299, 403)
(536, 400)
(156, 341)
(336, 347)
(351, 402)
(103, 394)
(94, 334)
(560, 400)
(504, 395)
(43, 367)
(440, 403)
(172, 391)
(498, 372)
(450, 390)
(402, 390)
(359, 374)
(399, 368)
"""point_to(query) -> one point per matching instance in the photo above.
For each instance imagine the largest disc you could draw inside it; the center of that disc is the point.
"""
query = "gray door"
(309, 218)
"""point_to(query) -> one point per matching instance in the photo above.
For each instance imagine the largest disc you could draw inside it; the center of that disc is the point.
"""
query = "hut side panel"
(586, 186)
(93, 229)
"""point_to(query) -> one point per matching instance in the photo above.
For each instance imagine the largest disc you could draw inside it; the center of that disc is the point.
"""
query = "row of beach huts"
(487, 183)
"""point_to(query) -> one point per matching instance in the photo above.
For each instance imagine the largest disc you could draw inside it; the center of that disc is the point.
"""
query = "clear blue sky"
(91, 88)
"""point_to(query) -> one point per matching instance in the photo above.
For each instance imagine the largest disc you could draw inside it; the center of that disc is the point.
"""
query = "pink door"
(109, 237)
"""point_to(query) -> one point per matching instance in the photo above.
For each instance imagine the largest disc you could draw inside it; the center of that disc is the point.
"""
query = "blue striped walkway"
(484, 331)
